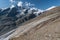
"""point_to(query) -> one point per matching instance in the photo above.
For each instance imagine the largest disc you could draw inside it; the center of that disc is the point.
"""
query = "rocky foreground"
(44, 27)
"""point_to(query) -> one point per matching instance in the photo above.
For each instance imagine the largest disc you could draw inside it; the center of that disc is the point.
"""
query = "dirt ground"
(47, 28)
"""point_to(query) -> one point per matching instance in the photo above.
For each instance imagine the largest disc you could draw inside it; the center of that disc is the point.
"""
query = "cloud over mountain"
(20, 3)
(11, 0)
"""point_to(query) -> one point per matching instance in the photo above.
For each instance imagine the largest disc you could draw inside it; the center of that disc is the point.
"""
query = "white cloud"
(51, 8)
(38, 12)
(11, 0)
(28, 4)
(12, 6)
(33, 8)
(20, 3)
(30, 11)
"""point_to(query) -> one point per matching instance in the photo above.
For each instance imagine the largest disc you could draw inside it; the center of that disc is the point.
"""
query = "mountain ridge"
(24, 32)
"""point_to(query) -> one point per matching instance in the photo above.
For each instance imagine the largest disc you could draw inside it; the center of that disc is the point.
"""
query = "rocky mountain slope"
(44, 27)
(10, 18)
(14, 16)
(24, 22)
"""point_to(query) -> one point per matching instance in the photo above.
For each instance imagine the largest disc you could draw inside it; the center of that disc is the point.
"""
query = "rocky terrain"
(14, 16)
(25, 22)
(44, 27)
(11, 18)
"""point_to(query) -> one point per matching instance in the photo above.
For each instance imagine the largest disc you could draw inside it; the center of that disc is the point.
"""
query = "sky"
(40, 4)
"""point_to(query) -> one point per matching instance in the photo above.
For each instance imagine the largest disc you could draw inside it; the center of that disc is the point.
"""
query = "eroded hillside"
(44, 27)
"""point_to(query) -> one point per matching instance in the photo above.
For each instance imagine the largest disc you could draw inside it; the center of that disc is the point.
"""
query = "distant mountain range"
(11, 17)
